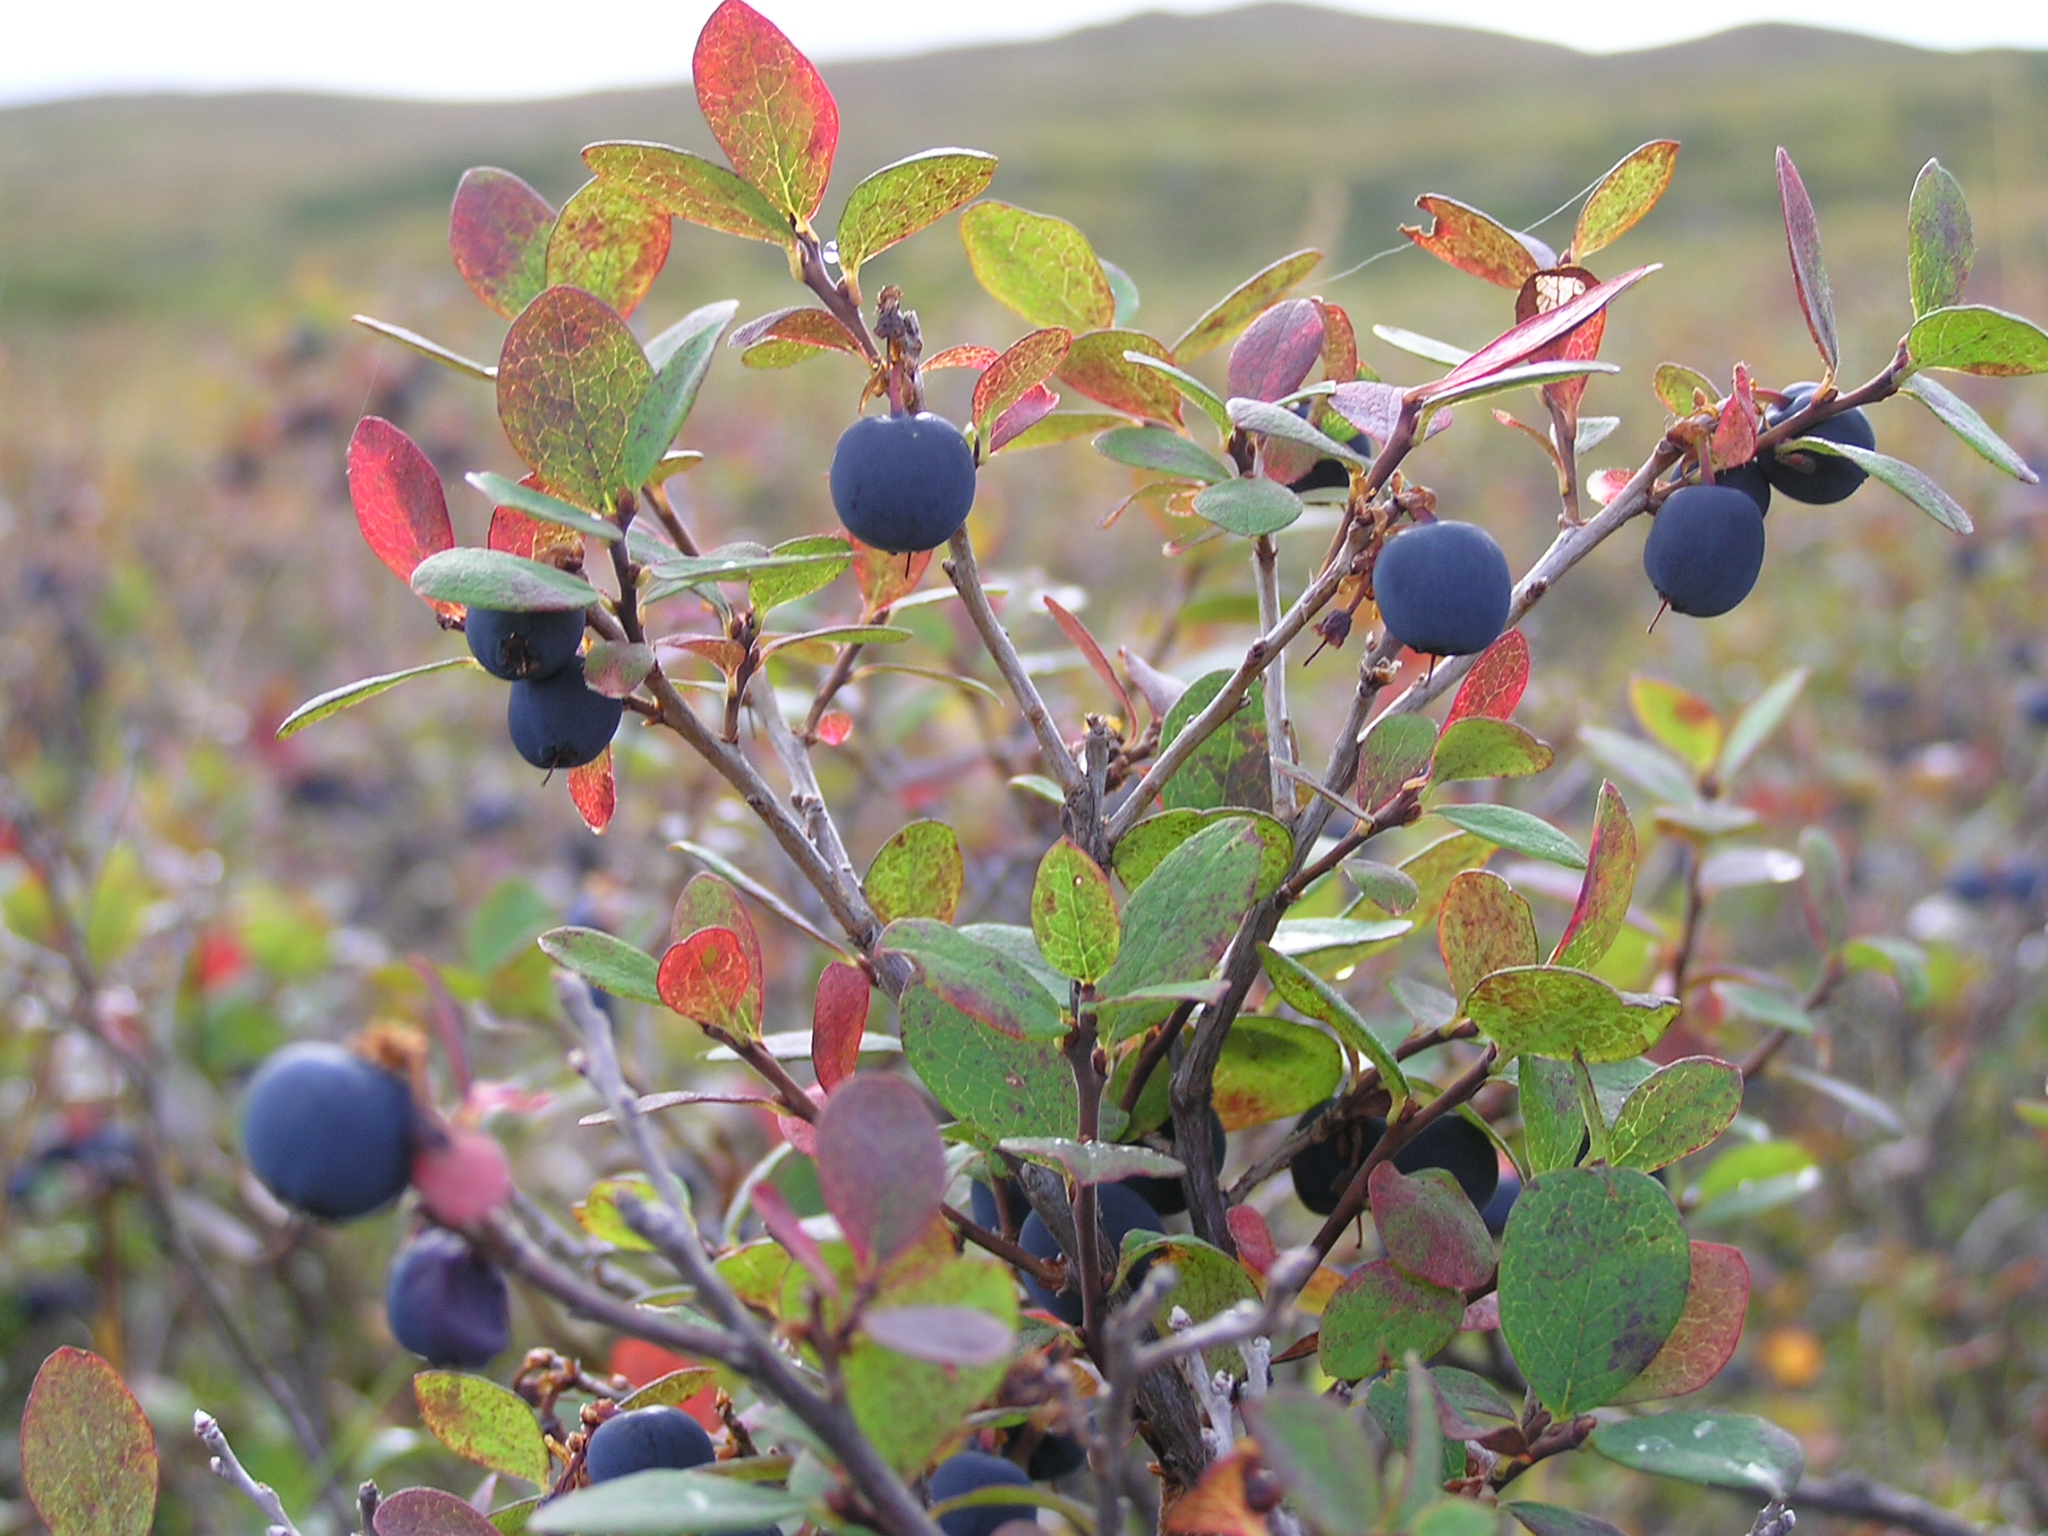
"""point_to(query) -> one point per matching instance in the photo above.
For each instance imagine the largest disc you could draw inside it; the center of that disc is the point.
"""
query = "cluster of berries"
(556, 718)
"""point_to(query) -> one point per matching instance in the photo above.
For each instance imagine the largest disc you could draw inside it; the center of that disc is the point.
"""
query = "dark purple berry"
(327, 1132)
(1819, 479)
(561, 721)
(1322, 1169)
(644, 1439)
(902, 483)
(523, 645)
(1495, 1212)
(1443, 588)
(1750, 479)
(971, 1470)
(1705, 549)
(1122, 1212)
(1461, 1149)
(1054, 1457)
(447, 1303)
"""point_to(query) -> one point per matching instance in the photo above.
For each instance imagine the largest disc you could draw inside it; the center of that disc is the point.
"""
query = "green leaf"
(1139, 850)
(1449, 393)
(692, 188)
(1321, 1456)
(1623, 196)
(1062, 427)
(1758, 722)
(1551, 1520)
(900, 199)
(1678, 386)
(1415, 344)
(1389, 1401)
(598, 1212)
(1178, 923)
(88, 1458)
(909, 1408)
(482, 1422)
(549, 509)
(1553, 1115)
(1230, 768)
(1163, 450)
(680, 357)
(1479, 748)
(510, 1519)
(1303, 990)
(609, 964)
(571, 380)
(609, 242)
(666, 1503)
(917, 873)
(1683, 723)
(1484, 926)
(1126, 290)
(1276, 421)
(1911, 483)
(999, 1086)
(1191, 388)
(335, 700)
(1331, 940)
(1039, 266)
(1271, 1069)
(1073, 914)
(1676, 1111)
(1955, 413)
(1238, 308)
(1249, 508)
(486, 578)
(1901, 959)
(428, 349)
(1396, 750)
(1021, 946)
(1516, 830)
(1941, 243)
(1381, 1313)
(1389, 889)
(1547, 1010)
(982, 982)
(1093, 1162)
(1593, 1278)
(1721, 1450)
(1609, 886)
(1650, 768)
(1974, 338)
(1211, 1281)
(1748, 1180)
(789, 584)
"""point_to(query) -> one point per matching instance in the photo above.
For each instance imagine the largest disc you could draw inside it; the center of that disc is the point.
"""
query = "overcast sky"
(510, 48)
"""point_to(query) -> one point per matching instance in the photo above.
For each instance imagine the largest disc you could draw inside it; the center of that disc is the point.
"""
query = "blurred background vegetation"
(178, 378)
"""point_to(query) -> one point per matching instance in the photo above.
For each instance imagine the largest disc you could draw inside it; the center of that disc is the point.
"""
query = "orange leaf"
(1219, 1504)
(1471, 242)
(594, 791)
(705, 977)
(1494, 686)
(768, 107)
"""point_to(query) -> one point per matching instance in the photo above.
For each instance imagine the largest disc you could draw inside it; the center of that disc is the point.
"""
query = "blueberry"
(981, 1202)
(1054, 1457)
(1495, 1212)
(1324, 475)
(1461, 1149)
(965, 1473)
(1705, 549)
(327, 1132)
(1971, 883)
(1123, 1211)
(561, 721)
(1817, 478)
(446, 1302)
(2033, 702)
(1443, 588)
(1168, 1196)
(1750, 479)
(642, 1439)
(522, 645)
(902, 483)
(1322, 1169)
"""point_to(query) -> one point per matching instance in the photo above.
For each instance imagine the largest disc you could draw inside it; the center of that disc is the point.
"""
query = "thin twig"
(1855, 1495)
(1052, 747)
(229, 1469)
(1279, 746)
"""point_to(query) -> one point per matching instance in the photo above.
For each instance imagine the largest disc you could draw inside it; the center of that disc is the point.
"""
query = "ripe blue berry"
(644, 1439)
(1443, 588)
(1056, 1456)
(1461, 1149)
(561, 721)
(1705, 549)
(902, 483)
(1817, 478)
(447, 1303)
(1123, 1211)
(1750, 479)
(523, 645)
(967, 1472)
(1495, 1211)
(327, 1132)
(1323, 1170)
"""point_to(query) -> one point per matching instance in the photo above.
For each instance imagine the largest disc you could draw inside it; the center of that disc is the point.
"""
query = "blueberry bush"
(991, 1269)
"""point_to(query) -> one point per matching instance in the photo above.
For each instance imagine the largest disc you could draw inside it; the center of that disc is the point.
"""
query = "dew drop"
(831, 252)
(1704, 1428)
(1653, 1445)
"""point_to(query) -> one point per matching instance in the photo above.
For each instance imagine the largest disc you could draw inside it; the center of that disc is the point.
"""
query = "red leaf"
(705, 977)
(881, 1165)
(428, 1512)
(498, 234)
(796, 1130)
(1254, 1240)
(1276, 351)
(1037, 403)
(1534, 334)
(834, 726)
(1008, 378)
(514, 532)
(811, 327)
(1551, 289)
(837, 1021)
(399, 503)
(970, 355)
(884, 578)
(610, 243)
(1603, 485)
(1471, 242)
(1084, 642)
(1708, 1329)
(1220, 1503)
(787, 1228)
(594, 791)
(768, 107)
(1430, 1229)
(1340, 343)
(1483, 1316)
(708, 902)
(1494, 686)
(1734, 440)
(1098, 368)
(1609, 884)
(1809, 274)
(463, 1179)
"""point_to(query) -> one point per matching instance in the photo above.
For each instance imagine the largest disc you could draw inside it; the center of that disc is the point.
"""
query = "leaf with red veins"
(1734, 440)
(1529, 338)
(611, 243)
(1472, 242)
(967, 355)
(1708, 1329)
(498, 233)
(767, 106)
(570, 377)
(1005, 380)
(399, 502)
(1494, 686)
